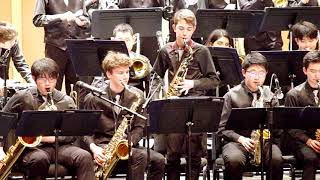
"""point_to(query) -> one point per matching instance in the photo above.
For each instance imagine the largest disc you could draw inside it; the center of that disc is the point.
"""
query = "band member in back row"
(200, 77)
(306, 147)
(36, 161)
(305, 36)
(8, 41)
(116, 67)
(236, 144)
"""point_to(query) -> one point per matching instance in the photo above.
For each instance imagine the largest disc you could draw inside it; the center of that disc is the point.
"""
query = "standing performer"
(8, 41)
(306, 146)
(200, 77)
(36, 161)
(61, 19)
(237, 144)
(116, 67)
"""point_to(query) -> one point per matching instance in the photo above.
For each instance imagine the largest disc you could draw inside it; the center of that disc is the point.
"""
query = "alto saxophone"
(181, 73)
(255, 134)
(118, 147)
(16, 150)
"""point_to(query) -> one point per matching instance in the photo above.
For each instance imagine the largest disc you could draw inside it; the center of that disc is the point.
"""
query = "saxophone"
(117, 149)
(16, 150)
(255, 134)
(181, 73)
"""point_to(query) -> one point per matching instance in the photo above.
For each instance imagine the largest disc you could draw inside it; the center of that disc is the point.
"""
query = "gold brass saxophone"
(255, 134)
(181, 73)
(15, 150)
(117, 149)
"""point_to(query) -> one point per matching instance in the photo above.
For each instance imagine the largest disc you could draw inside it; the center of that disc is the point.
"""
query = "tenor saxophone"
(16, 150)
(181, 73)
(117, 149)
(317, 133)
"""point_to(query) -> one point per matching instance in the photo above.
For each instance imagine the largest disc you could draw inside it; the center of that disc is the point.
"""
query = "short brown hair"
(123, 27)
(185, 14)
(45, 66)
(7, 32)
(114, 60)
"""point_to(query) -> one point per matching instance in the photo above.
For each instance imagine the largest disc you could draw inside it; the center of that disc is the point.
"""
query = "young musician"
(116, 66)
(200, 77)
(305, 35)
(36, 161)
(306, 148)
(219, 38)
(237, 144)
(61, 20)
(9, 42)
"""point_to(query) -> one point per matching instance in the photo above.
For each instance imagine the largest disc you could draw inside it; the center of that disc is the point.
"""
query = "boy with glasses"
(237, 144)
(35, 162)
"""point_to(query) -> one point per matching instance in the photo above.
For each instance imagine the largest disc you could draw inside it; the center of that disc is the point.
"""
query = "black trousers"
(309, 159)
(36, 161)
(176, 147)
(236, 158)
(67, 70)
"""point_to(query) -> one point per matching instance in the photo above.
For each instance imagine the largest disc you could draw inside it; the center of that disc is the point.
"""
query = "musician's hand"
(48, 139)
(68, 16)
(81, 21)
(98, 154)
(247, 143)
(304, 1)
(2, 154)
(185, 86)
(314, 144)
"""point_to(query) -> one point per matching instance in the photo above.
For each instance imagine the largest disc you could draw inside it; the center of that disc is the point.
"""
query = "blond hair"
(185, 14)
(7, 32)
(114, 60)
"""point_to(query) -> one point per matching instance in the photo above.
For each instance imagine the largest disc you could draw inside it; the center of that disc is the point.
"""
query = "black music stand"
(248, 119)
(87, 55)
(239, 23)
(226, 60)
(287, 65)
(57, 123)
(7, 121)
(185, 115)
(146, 21)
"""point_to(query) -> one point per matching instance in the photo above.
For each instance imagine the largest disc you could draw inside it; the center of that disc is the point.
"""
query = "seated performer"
(237, 144)
(219, 38)
(116, 66)
(305, 35)
(8, 41)
(36, 161)
(306, 147)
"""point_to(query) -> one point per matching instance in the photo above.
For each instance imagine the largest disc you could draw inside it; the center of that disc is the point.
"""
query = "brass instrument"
(108, 4)
(118, 147)
(280, 3)
(16, 150)
(255, 134)
(181, 73)
(141, 64)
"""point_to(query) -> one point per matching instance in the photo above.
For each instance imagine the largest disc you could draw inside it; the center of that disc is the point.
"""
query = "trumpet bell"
(141, 67)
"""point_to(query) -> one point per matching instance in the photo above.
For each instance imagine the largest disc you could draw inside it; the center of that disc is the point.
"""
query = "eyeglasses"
(45, 79)
(258, 74)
